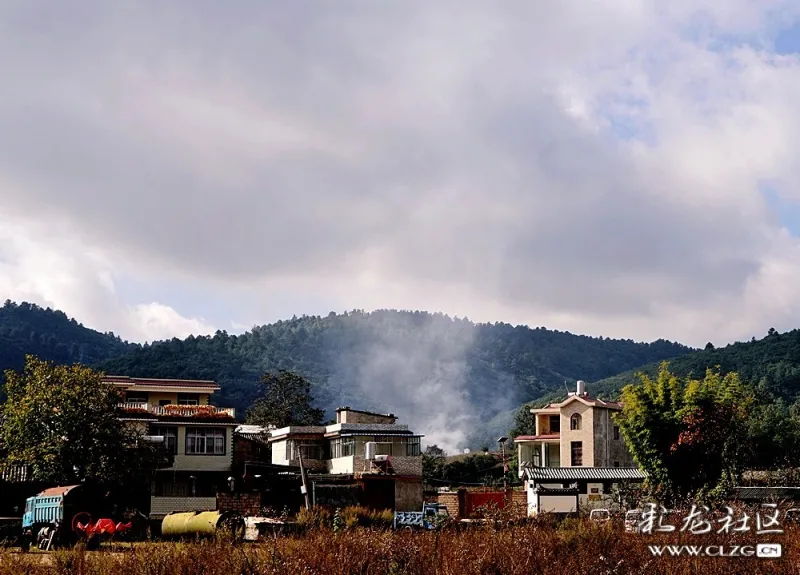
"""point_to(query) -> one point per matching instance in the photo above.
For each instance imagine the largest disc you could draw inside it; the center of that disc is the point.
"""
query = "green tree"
(62, 420)
(524, 421)
(285, 400)
(689, 435)
(433, 461)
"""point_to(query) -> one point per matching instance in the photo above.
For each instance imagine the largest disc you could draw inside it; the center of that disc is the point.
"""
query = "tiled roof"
(589, 473)
(584, 398)
(253, 430)
(145, 381)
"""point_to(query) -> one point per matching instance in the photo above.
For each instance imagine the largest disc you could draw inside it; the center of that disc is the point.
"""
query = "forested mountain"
(50, 334)
(771, 364)
(447, 377)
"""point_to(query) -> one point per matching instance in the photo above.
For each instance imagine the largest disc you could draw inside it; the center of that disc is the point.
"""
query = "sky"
(624, 168)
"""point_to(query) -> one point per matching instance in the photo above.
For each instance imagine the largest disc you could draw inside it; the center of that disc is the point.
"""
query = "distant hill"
(49, 334)
(447, 377)
(456, 381)
(771, 363)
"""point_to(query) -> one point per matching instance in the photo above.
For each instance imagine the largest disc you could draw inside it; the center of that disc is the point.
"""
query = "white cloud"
(43, 264)
(588, 166)
(158, 321)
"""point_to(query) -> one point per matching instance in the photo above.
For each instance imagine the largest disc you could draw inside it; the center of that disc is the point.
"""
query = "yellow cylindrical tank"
(204, 523)
(190, 524)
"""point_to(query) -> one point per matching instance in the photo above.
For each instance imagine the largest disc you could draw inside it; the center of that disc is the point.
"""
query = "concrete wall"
(185, 462)
(607, 450)
(555, 504)
(407, 495)
(279, 452)
(584, 434)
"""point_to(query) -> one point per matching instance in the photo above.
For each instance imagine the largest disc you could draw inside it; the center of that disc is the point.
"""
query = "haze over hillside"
(447, 377)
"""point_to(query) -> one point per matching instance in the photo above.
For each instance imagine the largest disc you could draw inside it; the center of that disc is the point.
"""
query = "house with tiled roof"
(197, 436)
(579, 432)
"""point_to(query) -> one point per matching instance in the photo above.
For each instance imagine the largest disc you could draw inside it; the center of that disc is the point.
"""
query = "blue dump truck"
(432, 516)
(61, 516)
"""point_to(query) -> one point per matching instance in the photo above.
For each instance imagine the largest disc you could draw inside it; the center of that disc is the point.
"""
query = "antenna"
(566, 387)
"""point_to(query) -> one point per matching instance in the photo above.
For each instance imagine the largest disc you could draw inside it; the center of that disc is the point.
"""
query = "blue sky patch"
(787, 212)
(788, 41)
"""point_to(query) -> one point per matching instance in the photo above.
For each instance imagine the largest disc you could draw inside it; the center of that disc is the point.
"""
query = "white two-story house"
(198, 435)
(577, 454)
(364, 447)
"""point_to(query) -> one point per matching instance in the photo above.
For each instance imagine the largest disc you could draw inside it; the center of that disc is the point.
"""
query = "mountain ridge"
(446, 375)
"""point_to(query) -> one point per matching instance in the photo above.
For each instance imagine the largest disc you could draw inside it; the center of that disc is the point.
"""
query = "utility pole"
(304, 488)
(502, 442)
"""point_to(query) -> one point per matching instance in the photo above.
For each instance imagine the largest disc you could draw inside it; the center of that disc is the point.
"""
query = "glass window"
(616, 432)
(188, 399)
(170, 437)
(306, 450)
(555, 423)
(413, 447)
(575, 422)
(343, 447)
(577, 453)
(205, 441)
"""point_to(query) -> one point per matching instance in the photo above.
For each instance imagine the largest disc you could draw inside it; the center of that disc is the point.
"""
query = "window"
(188, 399)
(170, 437)
(616, 432)
(205, 441)
(413, 447)
(384, 445)
(343, 447)
(577, 453)
(555, 423)
(306, 450)
(575, 422)
(163, 402)
(136, 397)
(616, 464)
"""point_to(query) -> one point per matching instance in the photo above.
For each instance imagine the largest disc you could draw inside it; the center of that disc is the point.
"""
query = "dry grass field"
(574, 547)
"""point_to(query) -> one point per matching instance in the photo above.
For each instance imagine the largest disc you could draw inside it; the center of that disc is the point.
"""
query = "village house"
(197, 435)
(577, 457)
(366, 456)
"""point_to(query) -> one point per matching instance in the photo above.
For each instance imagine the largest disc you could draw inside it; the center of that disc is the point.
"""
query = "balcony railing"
(178, 410)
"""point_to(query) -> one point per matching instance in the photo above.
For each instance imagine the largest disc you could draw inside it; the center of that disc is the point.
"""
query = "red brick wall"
(244, 503)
